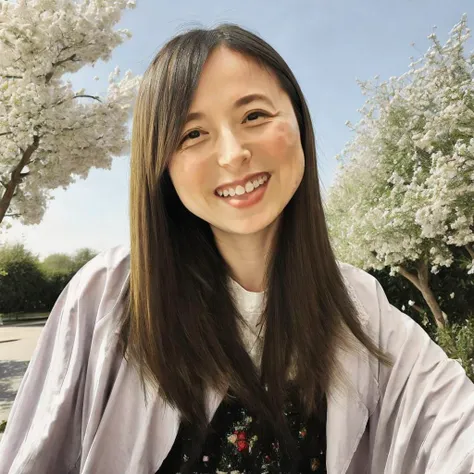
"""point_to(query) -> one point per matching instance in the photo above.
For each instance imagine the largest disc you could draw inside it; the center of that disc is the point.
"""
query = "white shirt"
(250, 305)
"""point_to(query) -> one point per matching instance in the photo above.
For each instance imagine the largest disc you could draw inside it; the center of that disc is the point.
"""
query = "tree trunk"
(421, 282)
(15, 178)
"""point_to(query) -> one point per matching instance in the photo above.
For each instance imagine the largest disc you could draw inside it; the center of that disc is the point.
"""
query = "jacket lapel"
(349, 410)
(346, 422)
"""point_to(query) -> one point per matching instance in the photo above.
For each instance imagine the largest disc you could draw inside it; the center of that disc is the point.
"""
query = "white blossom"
(40, 41)
(405, 191)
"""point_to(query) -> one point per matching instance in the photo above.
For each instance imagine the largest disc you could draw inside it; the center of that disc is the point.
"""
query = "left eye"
(252, 116)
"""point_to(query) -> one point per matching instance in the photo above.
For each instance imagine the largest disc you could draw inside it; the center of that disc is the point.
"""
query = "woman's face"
(240, 159)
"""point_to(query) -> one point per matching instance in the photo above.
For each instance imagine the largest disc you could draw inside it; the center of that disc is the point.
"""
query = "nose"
(231, 151)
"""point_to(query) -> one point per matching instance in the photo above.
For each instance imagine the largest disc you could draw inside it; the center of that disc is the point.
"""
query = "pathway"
(17, 343)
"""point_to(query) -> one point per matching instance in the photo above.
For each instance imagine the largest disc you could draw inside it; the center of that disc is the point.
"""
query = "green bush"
(28, 285)
(57, 263)
(458, 342)
(21, 282)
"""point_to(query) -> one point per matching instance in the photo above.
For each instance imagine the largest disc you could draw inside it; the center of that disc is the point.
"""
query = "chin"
(247, 230)
(247, 226)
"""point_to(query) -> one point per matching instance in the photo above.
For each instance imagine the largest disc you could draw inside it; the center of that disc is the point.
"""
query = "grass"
(7, 317)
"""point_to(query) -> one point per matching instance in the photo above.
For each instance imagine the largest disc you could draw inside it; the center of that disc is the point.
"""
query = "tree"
(404, 195)
(58, 269)
(82, 256)
(64, 264)
(49, 134)
(57, 263)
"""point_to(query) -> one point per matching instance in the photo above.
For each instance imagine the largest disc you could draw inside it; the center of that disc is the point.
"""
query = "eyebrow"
(245, 100)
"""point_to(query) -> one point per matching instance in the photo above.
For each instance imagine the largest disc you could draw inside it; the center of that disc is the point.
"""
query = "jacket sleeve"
(43, 433)
(425, 420)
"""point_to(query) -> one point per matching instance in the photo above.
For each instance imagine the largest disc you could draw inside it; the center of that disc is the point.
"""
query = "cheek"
(283, 142)
(186, 174)
(283, 146)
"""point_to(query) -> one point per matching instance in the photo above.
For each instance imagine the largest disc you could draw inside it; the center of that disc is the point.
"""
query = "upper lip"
(241, 182)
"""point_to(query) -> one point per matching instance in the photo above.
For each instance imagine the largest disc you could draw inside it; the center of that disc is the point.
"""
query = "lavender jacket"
(81, 409)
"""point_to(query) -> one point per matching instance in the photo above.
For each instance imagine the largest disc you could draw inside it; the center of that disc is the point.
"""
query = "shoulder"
(98, 286)
(382, 320)
(364, 290)
(113, 262)
(395, 331)
(356, 276)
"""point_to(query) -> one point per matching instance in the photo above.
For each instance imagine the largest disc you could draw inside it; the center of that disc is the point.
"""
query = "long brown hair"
(181, 328)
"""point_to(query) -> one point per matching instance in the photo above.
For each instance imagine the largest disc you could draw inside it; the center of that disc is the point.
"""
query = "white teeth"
(240, 190)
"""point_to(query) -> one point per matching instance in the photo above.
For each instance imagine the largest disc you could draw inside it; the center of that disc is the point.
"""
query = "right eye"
(192, 135)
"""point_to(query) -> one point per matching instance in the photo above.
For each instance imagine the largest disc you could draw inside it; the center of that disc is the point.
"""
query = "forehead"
(229, 74)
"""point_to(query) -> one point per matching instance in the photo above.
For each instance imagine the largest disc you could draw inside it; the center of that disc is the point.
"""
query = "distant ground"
(17, 343)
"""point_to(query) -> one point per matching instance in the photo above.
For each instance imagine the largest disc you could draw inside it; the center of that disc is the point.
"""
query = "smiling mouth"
(245, 189)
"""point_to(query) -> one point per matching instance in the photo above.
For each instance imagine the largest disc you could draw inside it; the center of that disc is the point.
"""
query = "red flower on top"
(242, 443)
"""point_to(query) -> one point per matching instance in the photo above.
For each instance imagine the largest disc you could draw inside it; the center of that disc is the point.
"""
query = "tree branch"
(410, 277)
(70, 58)
(418, 308)
(470, 250)
(5, 133)
(11, 77)
(78, 96)
(58, 63)
(15, 179)
(88, 96)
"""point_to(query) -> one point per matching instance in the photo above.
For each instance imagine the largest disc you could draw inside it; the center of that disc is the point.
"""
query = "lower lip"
(247, 200)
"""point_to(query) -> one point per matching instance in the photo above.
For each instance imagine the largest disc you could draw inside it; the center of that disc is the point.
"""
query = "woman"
(229, 339)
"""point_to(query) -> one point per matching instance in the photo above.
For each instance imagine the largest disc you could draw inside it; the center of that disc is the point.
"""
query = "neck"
(247, 255)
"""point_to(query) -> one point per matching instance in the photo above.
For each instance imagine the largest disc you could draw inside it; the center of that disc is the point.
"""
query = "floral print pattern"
(236, 444)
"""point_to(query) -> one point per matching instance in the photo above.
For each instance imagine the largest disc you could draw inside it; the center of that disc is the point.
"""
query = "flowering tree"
(49, 134)
(404, 195)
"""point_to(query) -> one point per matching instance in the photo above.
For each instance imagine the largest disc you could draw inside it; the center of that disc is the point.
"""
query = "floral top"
(233, 446)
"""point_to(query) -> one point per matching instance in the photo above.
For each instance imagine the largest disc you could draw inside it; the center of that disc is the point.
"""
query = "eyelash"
(259, 112)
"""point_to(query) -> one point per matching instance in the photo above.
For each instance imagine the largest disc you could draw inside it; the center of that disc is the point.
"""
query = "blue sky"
(328, 44)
